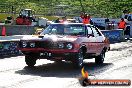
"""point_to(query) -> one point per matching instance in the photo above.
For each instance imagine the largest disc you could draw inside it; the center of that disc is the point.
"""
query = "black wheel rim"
(102, 56)
(80, 59)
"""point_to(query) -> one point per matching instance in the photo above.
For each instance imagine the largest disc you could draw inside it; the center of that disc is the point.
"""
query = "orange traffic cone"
(3, 31)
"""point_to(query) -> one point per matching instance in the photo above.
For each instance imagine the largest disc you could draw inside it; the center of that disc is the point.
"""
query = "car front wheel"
(79, 59)
(30, 60)
(100, 59)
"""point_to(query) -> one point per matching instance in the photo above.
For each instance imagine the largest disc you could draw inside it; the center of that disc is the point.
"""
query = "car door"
(90, 40)
(98, 44)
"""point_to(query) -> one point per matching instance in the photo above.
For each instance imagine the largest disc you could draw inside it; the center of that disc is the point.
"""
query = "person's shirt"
(86, 20)
(122, 25)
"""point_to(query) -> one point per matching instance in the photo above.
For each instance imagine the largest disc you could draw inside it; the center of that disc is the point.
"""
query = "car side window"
(89, 30)
(96, 32)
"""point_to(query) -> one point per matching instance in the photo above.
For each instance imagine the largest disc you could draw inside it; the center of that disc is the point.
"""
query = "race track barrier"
(18, 29)
(116, 35)
(8, 48)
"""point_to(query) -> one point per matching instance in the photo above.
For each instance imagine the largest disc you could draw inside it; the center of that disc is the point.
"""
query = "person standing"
(64, 19)
(57, 20)
(85, 18)
(122, 24)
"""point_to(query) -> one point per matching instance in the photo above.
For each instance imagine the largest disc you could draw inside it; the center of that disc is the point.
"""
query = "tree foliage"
(98, 8)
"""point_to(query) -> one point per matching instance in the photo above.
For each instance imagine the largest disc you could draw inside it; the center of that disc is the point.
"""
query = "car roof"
(74, 24)
(71, 23)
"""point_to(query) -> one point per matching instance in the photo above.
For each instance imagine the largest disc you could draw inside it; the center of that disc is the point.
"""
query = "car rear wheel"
(79, 59)
(30, 60)
(100, 59)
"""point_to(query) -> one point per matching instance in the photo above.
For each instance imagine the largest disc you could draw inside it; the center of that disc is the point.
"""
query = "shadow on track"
(63, 70)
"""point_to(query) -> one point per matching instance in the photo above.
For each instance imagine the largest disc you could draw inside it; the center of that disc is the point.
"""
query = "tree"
(83, 10)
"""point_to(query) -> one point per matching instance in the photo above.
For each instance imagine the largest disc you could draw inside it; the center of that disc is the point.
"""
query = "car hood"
(54, 38)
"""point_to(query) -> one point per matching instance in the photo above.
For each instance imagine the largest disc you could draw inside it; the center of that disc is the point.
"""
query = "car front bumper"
(50, 53)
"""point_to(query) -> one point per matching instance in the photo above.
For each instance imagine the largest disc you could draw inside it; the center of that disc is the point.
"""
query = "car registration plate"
(45, 54)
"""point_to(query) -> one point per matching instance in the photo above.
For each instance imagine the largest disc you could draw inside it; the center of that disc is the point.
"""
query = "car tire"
(100, 59)
(78, 63)
(30, 60)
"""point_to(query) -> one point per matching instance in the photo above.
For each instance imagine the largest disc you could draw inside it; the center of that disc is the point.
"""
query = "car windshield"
(63, 29)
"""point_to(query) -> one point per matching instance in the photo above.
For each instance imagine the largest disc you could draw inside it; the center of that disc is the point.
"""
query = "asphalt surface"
(14, 73)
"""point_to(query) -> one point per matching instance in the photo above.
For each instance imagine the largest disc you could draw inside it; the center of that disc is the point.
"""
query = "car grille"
(46, 45)
(40, 44)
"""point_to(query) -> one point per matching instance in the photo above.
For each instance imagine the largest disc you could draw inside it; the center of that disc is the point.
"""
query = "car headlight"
(32, 45)
(24, 44)
(61, 45)
(69, 46)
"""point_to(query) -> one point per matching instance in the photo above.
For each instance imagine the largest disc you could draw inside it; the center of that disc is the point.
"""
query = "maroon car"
(70, 42)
